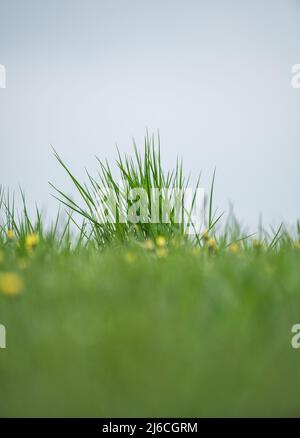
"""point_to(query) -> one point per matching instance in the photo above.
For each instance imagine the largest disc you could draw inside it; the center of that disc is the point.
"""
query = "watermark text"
(295, 82)
(125, 205)
(2, 336)
(295, 342)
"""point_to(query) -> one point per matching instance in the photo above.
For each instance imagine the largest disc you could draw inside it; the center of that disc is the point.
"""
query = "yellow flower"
(212, 244)
(160, 241)
(148, 245)
(161, 252)
(31, 241)
(130, 257)
(1, 256)
(205, 236)
(10, 234)
(234, 248)
(257, 244)
(10, 283)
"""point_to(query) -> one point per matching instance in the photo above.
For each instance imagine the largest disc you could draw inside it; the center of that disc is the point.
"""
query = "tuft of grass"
(142, 170)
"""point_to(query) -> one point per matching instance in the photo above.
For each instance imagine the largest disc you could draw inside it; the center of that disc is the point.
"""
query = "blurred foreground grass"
(126, 332)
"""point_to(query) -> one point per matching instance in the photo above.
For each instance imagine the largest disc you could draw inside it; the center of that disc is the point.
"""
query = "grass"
(135, 172)
(140, 321)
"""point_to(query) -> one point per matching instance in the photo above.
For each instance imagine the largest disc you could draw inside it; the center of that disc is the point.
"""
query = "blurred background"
(213, 76)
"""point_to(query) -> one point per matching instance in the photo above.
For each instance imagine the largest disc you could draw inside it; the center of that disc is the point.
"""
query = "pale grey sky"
(213, 76)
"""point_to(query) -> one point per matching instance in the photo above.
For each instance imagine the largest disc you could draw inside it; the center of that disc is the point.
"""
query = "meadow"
(113, 319)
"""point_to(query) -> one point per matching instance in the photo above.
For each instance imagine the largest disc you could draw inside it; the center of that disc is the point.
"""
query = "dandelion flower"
(212, 244)
(31, 241)
(10, 234)
(160, 241)
(10, 283)
(205, 236)
(257, 244)
(234, 248)
(148, 245)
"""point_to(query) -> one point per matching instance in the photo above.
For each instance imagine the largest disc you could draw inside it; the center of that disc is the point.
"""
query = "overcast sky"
(213, 76)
